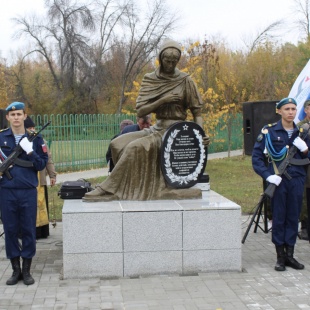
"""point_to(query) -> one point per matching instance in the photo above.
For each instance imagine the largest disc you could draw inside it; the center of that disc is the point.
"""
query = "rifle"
(289, 160)
(13, 157)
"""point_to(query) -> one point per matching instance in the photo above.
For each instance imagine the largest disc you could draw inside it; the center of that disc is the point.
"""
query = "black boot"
(280, 265)
(303, 233)
(28, 279)
(290, 261)
(17, 273)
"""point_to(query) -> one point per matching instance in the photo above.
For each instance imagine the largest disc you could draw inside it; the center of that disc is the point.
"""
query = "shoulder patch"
(4, 129)
(44, 148)
(260, 137)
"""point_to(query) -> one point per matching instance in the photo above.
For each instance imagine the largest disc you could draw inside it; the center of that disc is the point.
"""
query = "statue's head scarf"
(168, 44)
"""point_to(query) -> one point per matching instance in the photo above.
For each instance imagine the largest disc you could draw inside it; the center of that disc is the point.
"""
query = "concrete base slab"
(135, 238)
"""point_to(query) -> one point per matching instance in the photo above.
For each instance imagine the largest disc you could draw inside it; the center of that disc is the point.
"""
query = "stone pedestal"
(136, 238)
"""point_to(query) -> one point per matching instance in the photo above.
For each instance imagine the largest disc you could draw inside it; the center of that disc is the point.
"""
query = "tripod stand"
(263, 203)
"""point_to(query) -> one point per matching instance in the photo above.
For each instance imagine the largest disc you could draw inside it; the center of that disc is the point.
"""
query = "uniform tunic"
(287, 200)
(18, 201)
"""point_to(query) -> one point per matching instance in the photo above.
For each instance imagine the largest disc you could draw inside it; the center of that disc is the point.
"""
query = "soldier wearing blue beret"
(18, 201)
(273, 144)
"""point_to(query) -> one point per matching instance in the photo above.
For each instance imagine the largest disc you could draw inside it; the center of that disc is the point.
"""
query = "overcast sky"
(233, 20)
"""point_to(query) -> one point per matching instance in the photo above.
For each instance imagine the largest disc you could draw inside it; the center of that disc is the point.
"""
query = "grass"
(56, 203)
(235, 179)
(232, 177)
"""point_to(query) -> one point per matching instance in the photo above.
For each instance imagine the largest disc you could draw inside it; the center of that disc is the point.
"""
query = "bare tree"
(70, 24)
(302, 8)
(267, 34)
(142, 39)
(62, 40)
(78, 38)
(32, 28)
(108, 15)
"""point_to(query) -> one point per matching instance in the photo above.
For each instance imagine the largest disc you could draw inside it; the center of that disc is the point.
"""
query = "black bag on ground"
(74, 189)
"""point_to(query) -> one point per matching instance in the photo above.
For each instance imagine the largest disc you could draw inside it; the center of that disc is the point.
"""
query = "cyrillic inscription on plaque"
(183, 157)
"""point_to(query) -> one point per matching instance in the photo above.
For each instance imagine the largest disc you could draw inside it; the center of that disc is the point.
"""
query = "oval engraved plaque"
(183, 157)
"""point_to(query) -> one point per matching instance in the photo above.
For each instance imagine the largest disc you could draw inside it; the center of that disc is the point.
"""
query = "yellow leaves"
(192, 47)
(127, 112)
(136, 84)
(132, 95)
(3, 92)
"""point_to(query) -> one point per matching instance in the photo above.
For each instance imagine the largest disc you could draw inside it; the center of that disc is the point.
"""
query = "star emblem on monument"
(185, 127)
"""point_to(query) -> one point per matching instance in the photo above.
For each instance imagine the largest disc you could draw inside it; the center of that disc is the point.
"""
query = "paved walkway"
(257, 287)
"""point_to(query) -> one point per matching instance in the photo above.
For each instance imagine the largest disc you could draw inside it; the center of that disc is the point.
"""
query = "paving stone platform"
(257, 287)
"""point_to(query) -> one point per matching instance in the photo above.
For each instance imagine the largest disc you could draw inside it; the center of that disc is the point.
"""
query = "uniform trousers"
(19, 213)
(308, 211)
(286, 207)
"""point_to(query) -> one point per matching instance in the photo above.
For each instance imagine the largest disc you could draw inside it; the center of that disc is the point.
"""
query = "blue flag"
(301, 91)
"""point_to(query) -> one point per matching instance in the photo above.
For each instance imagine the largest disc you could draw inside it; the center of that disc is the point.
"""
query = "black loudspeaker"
(255, 116)
(3, 120)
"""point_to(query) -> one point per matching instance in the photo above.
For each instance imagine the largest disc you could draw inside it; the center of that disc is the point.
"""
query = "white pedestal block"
(134, 238)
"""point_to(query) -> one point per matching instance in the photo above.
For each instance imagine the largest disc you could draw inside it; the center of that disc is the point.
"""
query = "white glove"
(300, 144)
(26, 145)
(274, 179)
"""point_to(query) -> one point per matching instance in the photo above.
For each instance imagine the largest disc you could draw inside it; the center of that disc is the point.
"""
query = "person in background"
(124, 123)
(305, 212)
(142, 122)
(287, 200)
(42, 223)
(18, 201)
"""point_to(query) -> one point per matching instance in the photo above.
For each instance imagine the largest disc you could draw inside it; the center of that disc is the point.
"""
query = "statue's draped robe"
(137, 173)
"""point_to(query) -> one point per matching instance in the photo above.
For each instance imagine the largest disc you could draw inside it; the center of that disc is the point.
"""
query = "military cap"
(28, 122)
(286, 101)
(307, 102)
(15, 106)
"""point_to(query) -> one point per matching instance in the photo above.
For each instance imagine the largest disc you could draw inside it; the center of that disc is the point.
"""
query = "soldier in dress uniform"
(305, 211)
(18, 201)
(274, 142)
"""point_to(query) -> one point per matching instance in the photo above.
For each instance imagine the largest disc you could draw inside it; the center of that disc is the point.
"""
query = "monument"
(149, 216)
(137, 175)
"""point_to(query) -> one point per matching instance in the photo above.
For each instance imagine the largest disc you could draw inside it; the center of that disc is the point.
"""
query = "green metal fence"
(79, 142)
(220, 141)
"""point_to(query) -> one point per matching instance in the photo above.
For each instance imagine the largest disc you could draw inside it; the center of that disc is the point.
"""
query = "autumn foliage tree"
(3, 89)
(90, 57)
(79, 41)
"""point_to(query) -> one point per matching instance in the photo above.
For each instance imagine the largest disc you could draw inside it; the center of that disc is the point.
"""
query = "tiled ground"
(257, 287)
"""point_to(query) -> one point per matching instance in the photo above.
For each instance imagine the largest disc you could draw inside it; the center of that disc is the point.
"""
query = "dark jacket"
(279, 139)
(23, 177)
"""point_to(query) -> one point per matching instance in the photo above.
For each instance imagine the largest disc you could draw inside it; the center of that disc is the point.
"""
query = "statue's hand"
(172, 98)
(206, 140)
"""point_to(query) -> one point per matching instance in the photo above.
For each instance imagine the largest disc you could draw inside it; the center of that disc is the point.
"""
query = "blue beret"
(286, 101)
(15, 106)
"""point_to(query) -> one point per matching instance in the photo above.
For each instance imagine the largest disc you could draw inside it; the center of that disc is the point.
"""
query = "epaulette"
(270, 125)
(264, 131)
(4, 129)
(302, 123)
